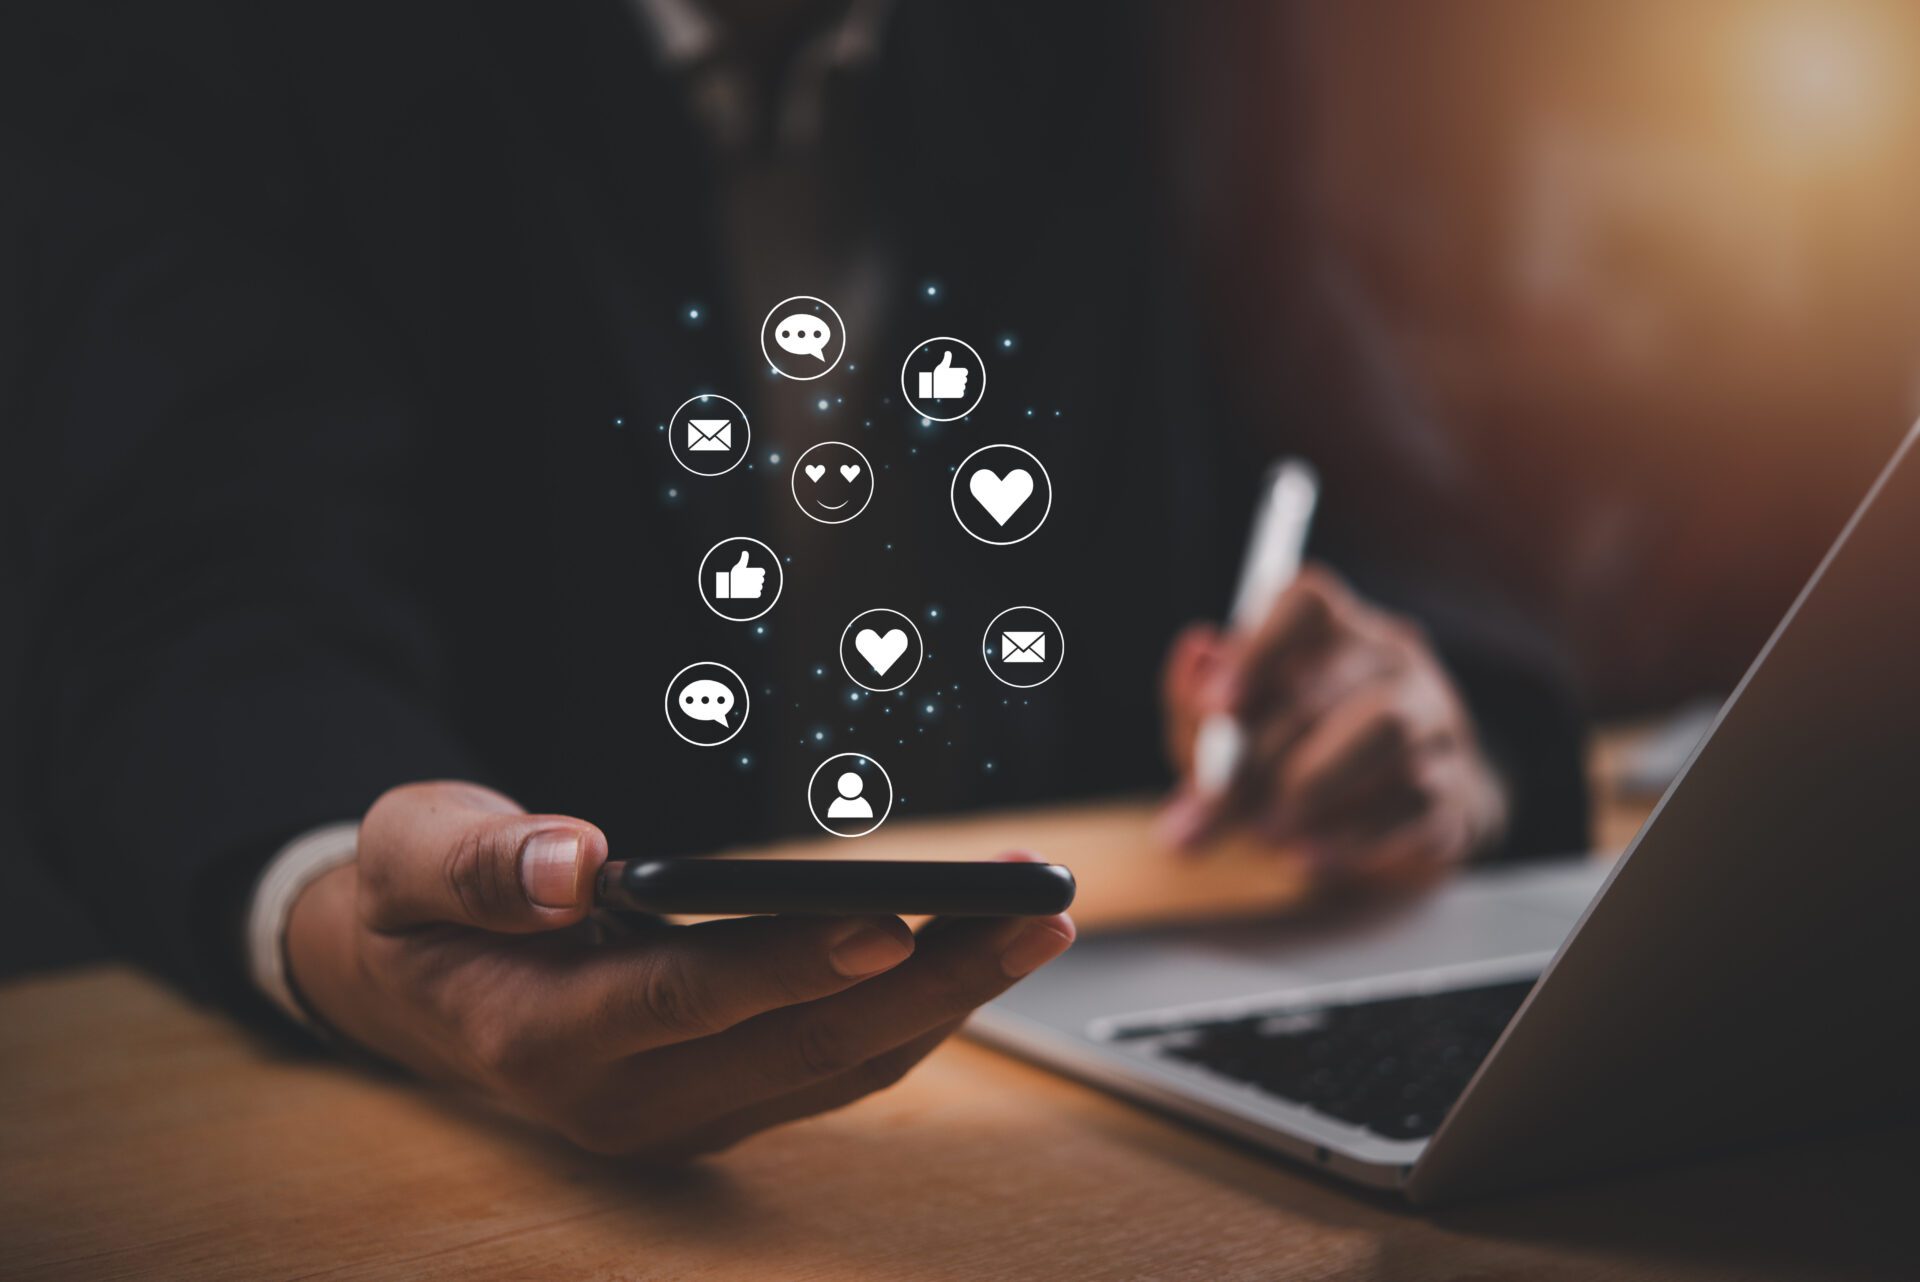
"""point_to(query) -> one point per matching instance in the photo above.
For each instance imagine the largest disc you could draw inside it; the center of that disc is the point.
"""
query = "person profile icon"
(850, 804)
(860, 799)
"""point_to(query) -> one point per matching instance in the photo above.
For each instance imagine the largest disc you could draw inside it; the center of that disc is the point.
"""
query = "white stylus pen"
(1275, 547)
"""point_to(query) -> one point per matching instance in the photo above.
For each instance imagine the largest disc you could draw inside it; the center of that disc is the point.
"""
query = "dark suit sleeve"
(1534, 734)
(226, 648)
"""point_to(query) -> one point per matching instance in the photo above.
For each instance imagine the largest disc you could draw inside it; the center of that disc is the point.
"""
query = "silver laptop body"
(1750, 965)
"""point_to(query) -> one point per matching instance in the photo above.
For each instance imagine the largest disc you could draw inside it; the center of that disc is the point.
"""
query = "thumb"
(458, 854)
(741, 564)
(946, 362)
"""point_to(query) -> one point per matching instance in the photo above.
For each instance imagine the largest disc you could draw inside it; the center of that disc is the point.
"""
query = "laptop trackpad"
(1478, 917)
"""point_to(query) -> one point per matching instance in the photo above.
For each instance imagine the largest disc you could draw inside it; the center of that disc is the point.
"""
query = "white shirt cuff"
(299, 864)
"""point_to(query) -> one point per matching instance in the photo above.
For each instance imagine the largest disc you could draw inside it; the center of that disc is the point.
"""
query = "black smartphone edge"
(835, 887)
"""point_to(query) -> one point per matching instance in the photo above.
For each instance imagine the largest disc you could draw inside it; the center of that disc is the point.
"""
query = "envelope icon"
(709, 434)
(1023, 647)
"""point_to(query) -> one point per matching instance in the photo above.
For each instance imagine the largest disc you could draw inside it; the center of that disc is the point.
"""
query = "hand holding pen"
(1321, 722)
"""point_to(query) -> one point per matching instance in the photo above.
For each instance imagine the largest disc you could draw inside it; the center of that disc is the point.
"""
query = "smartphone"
(834, 887)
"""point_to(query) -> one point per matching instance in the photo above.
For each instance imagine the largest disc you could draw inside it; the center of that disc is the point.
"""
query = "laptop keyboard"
(1393, 1066)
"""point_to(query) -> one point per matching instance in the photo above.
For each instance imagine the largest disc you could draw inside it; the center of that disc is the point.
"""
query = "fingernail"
(1035, 946)
(868, 951)
(550, 868)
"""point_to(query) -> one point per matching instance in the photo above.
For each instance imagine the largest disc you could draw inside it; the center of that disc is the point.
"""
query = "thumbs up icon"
(946, 391)
(743, 582)
(944, 382)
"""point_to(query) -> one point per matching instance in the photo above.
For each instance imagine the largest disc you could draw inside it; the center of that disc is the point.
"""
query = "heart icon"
(880, 651)
(815, 471)
(1002, 496)
(849, 470)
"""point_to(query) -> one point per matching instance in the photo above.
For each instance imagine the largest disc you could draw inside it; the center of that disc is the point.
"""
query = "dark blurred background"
(1643, 279)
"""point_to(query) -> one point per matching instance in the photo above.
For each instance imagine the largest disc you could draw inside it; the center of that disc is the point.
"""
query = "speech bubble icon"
(803, 335)
(707, 701)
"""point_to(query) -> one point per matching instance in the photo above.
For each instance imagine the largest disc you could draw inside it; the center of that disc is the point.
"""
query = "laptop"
(1750, 966)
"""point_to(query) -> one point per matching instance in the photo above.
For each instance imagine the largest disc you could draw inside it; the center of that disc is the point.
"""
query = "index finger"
(678, 983)
(959, 964)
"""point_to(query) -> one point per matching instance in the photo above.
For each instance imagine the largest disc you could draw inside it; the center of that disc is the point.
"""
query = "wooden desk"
(140, 1138)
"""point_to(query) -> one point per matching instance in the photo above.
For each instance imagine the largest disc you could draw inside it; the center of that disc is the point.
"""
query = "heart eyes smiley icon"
(832, 482)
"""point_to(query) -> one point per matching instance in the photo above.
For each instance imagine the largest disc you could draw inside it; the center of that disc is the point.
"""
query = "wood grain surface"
(142, 1138)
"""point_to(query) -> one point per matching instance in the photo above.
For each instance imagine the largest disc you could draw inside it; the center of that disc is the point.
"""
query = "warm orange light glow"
(1822, 72)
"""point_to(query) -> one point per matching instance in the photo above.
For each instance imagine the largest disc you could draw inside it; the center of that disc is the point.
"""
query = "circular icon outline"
(919, 659)
(839, 325)
(953, 494)
(746, 703)
(746, 446)
(812, 778)
(1059, 661)
(700, 577)
(873, 483)
(913, 402)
